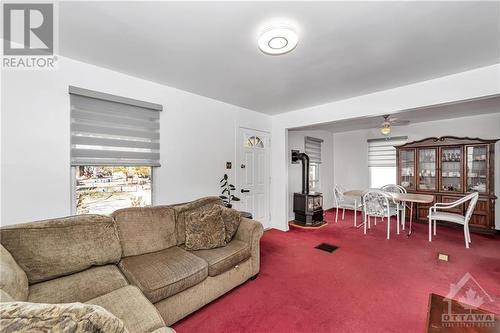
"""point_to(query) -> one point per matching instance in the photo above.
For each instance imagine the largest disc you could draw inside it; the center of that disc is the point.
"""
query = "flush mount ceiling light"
(278, 40)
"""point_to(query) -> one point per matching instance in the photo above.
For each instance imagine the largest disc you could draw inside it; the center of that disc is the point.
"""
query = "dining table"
(404, 198)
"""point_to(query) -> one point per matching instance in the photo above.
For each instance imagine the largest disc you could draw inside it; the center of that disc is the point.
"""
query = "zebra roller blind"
(313, 149)
(381, 152)
(113, 130)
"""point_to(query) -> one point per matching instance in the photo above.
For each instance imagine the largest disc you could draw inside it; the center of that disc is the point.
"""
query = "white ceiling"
(440, 112)
(345, 48)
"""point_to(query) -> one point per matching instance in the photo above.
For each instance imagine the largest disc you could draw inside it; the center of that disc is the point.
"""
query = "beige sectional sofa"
(132, 263)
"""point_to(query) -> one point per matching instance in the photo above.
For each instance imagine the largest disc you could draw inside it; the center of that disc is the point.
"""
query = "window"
(312, 147)
(114, 148)
(380, 176)
(382, 160)
(104, 189)
(254, 141)
(314, 176)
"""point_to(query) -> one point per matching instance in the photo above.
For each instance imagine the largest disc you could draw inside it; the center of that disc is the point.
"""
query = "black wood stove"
(307, 206)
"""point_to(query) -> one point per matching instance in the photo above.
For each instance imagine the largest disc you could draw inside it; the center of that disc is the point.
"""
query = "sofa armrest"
(250, 232)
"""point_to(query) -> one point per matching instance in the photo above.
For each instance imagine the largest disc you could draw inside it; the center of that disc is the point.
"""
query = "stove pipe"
(305, 169)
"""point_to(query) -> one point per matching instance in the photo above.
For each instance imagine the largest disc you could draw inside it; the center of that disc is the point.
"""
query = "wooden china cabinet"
(448, 168)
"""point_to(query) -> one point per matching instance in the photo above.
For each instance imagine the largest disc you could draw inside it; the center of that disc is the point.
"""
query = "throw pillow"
(205, 230)
(232, 219)
(69, 317)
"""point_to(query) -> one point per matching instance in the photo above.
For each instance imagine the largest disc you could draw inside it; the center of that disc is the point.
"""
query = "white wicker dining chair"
(378, 203)
(342, 202)
(395, 188)
(435, 214)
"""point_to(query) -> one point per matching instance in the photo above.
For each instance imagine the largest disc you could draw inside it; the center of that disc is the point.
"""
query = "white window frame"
(154, 187)
(154, 164)
(314, 182)
(387, 165)
(378, 184)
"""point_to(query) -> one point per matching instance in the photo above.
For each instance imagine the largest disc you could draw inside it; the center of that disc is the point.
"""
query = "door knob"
(244, 191)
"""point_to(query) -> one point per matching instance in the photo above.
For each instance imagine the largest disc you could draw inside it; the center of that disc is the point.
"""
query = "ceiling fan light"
(385, 130)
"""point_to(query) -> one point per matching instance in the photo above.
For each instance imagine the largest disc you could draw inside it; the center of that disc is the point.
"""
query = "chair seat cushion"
(78, 287)
(164, 273)
(130, 305)
(224, 258)
(393, 210)
(445, 216)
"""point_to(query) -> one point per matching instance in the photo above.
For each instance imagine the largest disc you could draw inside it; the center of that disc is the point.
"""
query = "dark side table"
(246, 215)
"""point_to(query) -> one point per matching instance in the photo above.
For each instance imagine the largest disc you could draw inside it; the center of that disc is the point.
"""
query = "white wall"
(350, 148)
(350, 154)
(476, 83)
(197, 138)
(296, 140)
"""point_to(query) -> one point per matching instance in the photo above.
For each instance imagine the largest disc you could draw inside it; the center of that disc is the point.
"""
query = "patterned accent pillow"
(69, 317)
(232, 220)
(205, 229)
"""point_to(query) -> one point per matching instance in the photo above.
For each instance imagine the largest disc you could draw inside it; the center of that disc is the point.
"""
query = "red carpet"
(370, 284)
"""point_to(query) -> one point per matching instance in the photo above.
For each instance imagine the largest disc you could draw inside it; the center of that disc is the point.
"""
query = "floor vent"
(443, 257)
(326, 247)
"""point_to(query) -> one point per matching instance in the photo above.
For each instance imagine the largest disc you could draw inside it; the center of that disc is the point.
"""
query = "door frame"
(238, 147)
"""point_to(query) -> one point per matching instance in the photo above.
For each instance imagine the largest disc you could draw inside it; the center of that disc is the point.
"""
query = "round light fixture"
(278, 40)
(386, 129)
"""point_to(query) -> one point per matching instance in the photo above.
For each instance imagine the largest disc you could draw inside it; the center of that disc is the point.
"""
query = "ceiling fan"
(385, 128)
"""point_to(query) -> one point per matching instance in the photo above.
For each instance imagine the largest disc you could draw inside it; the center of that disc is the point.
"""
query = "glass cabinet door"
(407, 169)
(451, 169)
(477, 168)
(427, 169)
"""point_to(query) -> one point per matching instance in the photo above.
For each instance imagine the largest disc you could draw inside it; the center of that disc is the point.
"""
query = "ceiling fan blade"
(400, 123)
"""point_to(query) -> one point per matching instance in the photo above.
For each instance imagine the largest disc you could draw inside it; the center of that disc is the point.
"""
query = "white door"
(254, 174)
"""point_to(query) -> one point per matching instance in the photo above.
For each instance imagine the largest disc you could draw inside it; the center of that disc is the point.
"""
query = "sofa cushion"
(205, 230)
(13, 280)
(224, 258)
(232, 220)
(78, 287)
(72, 317)
(184, 209)
(164, 273)
(52, 248)
(145, 229)
(130, 305)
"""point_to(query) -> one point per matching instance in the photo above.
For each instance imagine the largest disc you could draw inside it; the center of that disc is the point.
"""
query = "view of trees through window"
(104, 189)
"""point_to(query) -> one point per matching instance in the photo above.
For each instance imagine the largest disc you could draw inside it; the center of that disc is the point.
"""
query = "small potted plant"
(227, 189)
